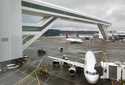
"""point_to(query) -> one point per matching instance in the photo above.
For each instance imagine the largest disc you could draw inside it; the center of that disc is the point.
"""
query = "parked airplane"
(74, 40)
(90, 72)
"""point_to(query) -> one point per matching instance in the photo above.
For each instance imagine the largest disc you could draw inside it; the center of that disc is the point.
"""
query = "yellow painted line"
(29, 75)
(23, 83)
(37, 79)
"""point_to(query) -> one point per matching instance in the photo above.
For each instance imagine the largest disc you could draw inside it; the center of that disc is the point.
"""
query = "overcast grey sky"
(109, 10)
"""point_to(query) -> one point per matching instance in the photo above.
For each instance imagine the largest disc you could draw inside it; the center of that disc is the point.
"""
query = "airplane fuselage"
(74, 40)
(90, 73)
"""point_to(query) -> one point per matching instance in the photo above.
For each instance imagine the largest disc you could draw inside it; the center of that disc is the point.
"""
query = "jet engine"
(72, 70)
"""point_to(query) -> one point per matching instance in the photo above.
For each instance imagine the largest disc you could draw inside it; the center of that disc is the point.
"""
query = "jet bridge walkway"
(50, 13)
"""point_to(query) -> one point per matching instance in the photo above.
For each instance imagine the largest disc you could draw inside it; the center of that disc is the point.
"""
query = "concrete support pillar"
(10, 30)
(103, 31)
(100, 35)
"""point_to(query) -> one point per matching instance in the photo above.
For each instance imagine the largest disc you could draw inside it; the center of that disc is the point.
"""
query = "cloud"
(110, 10)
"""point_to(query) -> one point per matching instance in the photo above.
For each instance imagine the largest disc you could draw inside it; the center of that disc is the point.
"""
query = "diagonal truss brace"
(46, 25)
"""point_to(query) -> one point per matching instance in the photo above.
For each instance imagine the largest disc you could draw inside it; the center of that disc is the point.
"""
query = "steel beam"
(40, 8)
(46, 25)
(39, 24)
(103, 30)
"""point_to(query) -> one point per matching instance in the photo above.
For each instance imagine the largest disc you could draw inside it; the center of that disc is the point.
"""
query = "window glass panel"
(31, 18)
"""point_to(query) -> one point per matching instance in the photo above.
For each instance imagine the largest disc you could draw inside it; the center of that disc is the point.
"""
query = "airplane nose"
(92, 79)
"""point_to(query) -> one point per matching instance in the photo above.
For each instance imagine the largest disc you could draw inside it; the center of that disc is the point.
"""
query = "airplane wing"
(77, 64)
(84, 52)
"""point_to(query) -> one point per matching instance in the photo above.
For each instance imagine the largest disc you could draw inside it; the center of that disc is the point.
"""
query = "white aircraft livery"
(90, 73)
(74, 40)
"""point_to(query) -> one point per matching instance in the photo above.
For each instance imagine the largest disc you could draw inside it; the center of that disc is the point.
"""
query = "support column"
(10, 30)
(103, 31)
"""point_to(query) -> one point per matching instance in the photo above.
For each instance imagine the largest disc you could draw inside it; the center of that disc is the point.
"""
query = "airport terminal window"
(31, 19)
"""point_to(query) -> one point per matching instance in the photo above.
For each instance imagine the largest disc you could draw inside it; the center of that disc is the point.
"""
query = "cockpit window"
(72, 71)
(91, 73)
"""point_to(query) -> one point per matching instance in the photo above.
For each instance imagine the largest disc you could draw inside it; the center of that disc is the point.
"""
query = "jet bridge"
(39, 8)
(12, 28)
(42, 29)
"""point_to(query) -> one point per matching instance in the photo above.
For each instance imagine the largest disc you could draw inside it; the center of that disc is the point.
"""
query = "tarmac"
(112, 51)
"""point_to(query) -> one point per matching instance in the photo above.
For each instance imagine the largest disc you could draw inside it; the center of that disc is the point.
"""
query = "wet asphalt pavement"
(112, 51)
